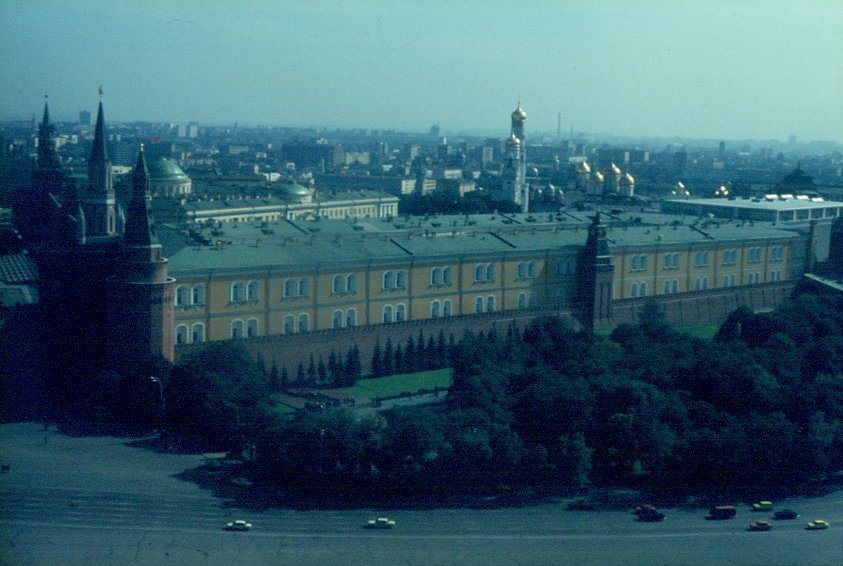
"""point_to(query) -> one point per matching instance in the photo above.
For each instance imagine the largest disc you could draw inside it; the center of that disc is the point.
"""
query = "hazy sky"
(694, 68)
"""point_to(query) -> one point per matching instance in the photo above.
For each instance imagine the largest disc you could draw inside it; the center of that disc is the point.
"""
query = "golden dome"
(680, 186)
(584, 167)
(596, 177)
(519, 114)
(627, 180)
(612, 170)
(513, 140)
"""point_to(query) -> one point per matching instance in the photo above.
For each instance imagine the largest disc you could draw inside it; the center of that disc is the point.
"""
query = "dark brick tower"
(140, 297)
(595, 275)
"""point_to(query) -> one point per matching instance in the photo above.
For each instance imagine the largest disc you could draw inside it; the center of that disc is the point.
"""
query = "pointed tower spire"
(140, 228)
(98, 152)
(100, 201)
(47, 158)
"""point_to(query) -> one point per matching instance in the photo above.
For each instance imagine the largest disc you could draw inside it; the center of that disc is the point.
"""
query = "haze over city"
(727, 70)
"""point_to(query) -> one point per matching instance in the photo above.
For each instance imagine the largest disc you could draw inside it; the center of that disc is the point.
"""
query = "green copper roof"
(166, 170)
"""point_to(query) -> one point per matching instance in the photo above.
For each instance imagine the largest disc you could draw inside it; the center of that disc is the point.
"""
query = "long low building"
(294, 276)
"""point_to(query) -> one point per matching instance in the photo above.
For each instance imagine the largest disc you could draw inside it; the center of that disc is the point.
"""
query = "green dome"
(293, 189)
(166, 170)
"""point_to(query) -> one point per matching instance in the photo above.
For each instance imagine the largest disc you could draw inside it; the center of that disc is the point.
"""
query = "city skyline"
(730, 70)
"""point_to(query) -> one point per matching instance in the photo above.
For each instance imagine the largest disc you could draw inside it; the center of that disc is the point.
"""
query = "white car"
(238, 525)
(379, 523)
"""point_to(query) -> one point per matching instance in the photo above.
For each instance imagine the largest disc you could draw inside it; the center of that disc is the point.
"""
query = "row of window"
(189, 335)
(484, 273)
(190, 296)
(242, 292)
(701, 258)
(525, 270)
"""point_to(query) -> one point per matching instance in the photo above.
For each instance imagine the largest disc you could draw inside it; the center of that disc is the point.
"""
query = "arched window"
(387, 313)
(400, 312)
(490, 303)
(304, 287)
(351, 317)
(446, 275)
(479, 273)
(522, 300)
(351, 283)
(667, 287)
(521, 270)
(478, 304)
(238, 292)
(532, 300)
(237, 329)
(252, 291)
(289, 324)
(401, 279)
(197, 294)
(436, 276)
(338, 285)
(289, 287)
(304, 322)
(252, 328)
(642, 289)
(197, 333)
(434, 309)
(181, 334)
(490, 272)
(446, 307)
(181, 295)
(388, 280)
(336, 319)
(531, 269)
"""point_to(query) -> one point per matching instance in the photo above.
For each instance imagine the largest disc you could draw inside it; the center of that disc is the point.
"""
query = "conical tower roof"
(140, 227)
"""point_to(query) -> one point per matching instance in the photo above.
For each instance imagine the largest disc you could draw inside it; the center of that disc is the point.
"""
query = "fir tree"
(285, 378)
(377, 360)
(333, 366)
(435, 357)
(388, 358)
(300, 375)
(352, 366)
(322, 370)
(410, 356)
(274, 379)
(311, 371)
(400, 366)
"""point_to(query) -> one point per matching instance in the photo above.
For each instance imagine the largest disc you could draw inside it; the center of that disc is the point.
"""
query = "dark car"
(760, 526)
(785, 514)
(651, 516)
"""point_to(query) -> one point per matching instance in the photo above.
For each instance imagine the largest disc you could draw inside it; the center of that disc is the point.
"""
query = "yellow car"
(762, 506)
(817, 524)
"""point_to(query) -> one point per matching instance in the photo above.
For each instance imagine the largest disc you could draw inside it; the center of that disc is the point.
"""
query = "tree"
(387, 367)
(377, 360)
(400, 362)
(214, 393)
(352, 366)
(275, 380)
(300, 375)
(322, 370)
(410, 356)
(311, 371)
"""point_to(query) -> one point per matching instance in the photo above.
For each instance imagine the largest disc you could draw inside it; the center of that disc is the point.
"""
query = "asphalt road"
(80, 500)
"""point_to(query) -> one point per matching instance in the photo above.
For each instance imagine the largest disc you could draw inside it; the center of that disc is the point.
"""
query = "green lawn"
(704, 332)
(393, 385)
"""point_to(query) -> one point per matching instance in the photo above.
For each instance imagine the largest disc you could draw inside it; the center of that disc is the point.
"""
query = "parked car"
(238, 525)
(722, 512)
(817, 524)
(379, 523)
(785, 514)
(762, 506)
(651, 516)
(760, 526)
(641, 509)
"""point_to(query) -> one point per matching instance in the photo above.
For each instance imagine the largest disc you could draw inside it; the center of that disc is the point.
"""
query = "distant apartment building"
(318, 154)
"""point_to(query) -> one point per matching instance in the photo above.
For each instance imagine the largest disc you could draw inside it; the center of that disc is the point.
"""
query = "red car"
(760, 526)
